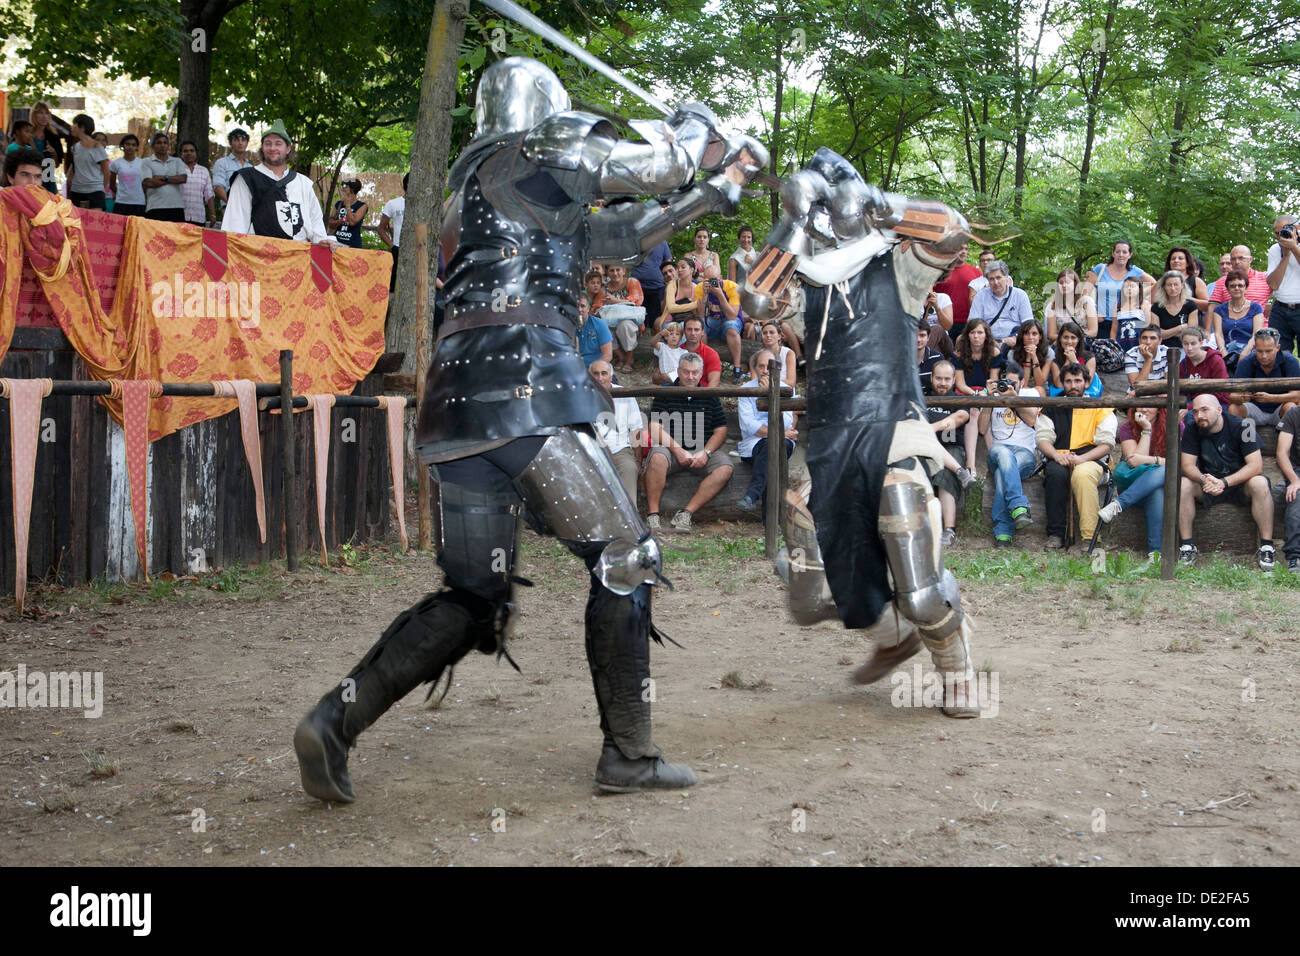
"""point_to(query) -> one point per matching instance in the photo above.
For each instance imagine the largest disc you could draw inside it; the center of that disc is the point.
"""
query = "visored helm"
(515, 94)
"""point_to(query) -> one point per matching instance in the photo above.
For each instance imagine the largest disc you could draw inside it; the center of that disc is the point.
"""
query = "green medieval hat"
(277, 129)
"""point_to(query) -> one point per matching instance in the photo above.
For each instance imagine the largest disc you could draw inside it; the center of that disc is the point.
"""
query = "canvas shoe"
(1187, 554)
(948, 538)
(1022, 518)
(1267, 558)
(681, 521)
(1108, 513)
(652, 522)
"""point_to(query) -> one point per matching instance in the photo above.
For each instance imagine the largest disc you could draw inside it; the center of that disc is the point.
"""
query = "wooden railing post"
(775, 455)
(423, 484)
(1173, 471)
(289, 481)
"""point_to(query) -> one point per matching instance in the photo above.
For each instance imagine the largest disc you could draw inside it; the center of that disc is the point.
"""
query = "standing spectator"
(1288, 461)
(1237, 320)
(770, 336)
(1173, 309)
(102, 140)
(87, 166)
(1140, 476)
(1266, 361)
(270, 199)
(1284, 280)
(197, 190)
(701, 256)
(1201, 362)
(626, 322)
(1130, 316)
(349, 214)
(744, 257)
(680, 293)
(1221, 462)
(926, 358)
(224, 169)
(1257, 287)
(21, 136)
(937, 321)
(1106, 281)
(948, 482)
(125, 176)
(1182, 261)
(1071, 302)
(688, 430)
(1074, 441)
(46, 141)
(390, 228)
(650, 275)
(974, 356)
(956, 285)
(594, 341)
(668, 353)
(620, 430)
(1013, 454)
(1148, 360)
(717, 302)
(1001, 304)
(693, 341)
(1031, 351)
(753, 435)
(163, 177)
(1069, 349)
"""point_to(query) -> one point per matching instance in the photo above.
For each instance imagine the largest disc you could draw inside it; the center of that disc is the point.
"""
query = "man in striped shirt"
(1257, 287)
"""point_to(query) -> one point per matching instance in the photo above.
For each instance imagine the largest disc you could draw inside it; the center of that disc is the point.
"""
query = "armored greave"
(924, 591)
(618, 652)
(800, 564)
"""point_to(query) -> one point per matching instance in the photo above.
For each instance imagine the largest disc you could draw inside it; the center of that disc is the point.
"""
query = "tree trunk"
(773, 197)
(194, 91)
(429, 152)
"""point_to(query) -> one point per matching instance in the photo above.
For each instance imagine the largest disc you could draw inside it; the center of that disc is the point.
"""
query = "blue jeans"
(1148, 493)
(1007, 464)
(758, 479)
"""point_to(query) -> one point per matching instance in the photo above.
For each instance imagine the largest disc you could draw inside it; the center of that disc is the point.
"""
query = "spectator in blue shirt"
(594, 338)
(1266, 361)
(1004, 307)
(650, 273)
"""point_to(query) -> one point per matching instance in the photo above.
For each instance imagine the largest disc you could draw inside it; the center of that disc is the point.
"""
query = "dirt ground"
(1158, 734)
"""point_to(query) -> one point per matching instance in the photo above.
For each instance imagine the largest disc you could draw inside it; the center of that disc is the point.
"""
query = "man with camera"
(1075, 442)
(1013, 454)
(1284, 280)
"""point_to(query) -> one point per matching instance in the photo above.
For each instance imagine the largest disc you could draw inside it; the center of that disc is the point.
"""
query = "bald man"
(1257, 287)
(620, 430)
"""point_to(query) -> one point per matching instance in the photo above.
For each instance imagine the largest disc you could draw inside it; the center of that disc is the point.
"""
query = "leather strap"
(484, 318)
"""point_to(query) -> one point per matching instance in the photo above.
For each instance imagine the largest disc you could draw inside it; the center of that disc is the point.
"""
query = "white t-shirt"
(1007, 428)
(1289, 290)
(668, 359)
(129, 190)
(395, 210)
(616, 430)
(931, 317)
(169, 196)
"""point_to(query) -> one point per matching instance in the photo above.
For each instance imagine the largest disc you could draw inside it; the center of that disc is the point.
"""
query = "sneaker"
(1108, 513)
(1022, 518)
(1153, 557)
(949, 537)
(738, 375)
(1293, 565)
(652, 522)
(1266, 557)
(748, 505)
(1187, 554)
(681, 521)
(965, 476)
(1055, 543)
(1001, 542)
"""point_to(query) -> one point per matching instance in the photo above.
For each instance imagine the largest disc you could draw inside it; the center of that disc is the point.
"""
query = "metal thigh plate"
(573, 486)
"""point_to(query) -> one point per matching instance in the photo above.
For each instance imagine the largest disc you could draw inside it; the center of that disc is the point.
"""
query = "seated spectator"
(954, 476)
(1071, 302)
(1288, 461)
(926, 357)
(1004, 307)
(1221, 462)
(24, 167)
(1189, 268)
(1237, 320)
(87, 166)
(668, 353)
(649, 272)
(1106, 282)
(594, 341)
(1257, 288)
(770, 336)
(937, 321)
(743, 258)
(1173, 308)
(1266, 361)
(717, 302)
(702, 256)
(1140, 476)
(627, 321)
(693, 341)
(619, 430)
(1149, 359)
(1130, 316)
(125, 176)
(1013, 454)
(1225, 266)
(975, 356)
(669, 275)
(1201, 362)
(1069, 349)
(1074, 441)
(679, 297)
(1030, 349)
(22, 136)
(687, 433)
(753, 435)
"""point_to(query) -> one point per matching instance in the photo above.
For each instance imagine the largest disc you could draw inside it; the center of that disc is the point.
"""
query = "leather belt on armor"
(483, 318)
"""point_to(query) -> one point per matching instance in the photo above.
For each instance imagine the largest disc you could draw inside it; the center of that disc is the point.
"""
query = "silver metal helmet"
(515, 94)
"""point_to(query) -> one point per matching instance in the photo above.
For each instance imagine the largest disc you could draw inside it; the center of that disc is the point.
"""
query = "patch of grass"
(734, 680)
(160, 590)
(1185, 645)
(711, 551)
(227, 581)
(102, 765)
(58, 801)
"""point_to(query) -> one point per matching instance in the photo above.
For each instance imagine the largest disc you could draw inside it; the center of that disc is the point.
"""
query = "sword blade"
(512, 11)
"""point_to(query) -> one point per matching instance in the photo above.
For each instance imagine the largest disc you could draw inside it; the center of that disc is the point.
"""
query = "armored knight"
(506, 418)
(865, 530)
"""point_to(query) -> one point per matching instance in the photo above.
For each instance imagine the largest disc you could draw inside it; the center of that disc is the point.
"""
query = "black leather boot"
(420, 643)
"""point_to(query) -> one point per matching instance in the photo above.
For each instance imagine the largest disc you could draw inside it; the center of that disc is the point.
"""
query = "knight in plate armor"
(506, 417)
(864, 532)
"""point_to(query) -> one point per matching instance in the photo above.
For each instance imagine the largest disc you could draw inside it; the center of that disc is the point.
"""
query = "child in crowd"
(1130, 318)
(667, 349)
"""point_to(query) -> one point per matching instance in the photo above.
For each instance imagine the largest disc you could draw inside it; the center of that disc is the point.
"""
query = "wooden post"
(1173, 471)
(422, 340)
(289, 490)
(775, 454)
